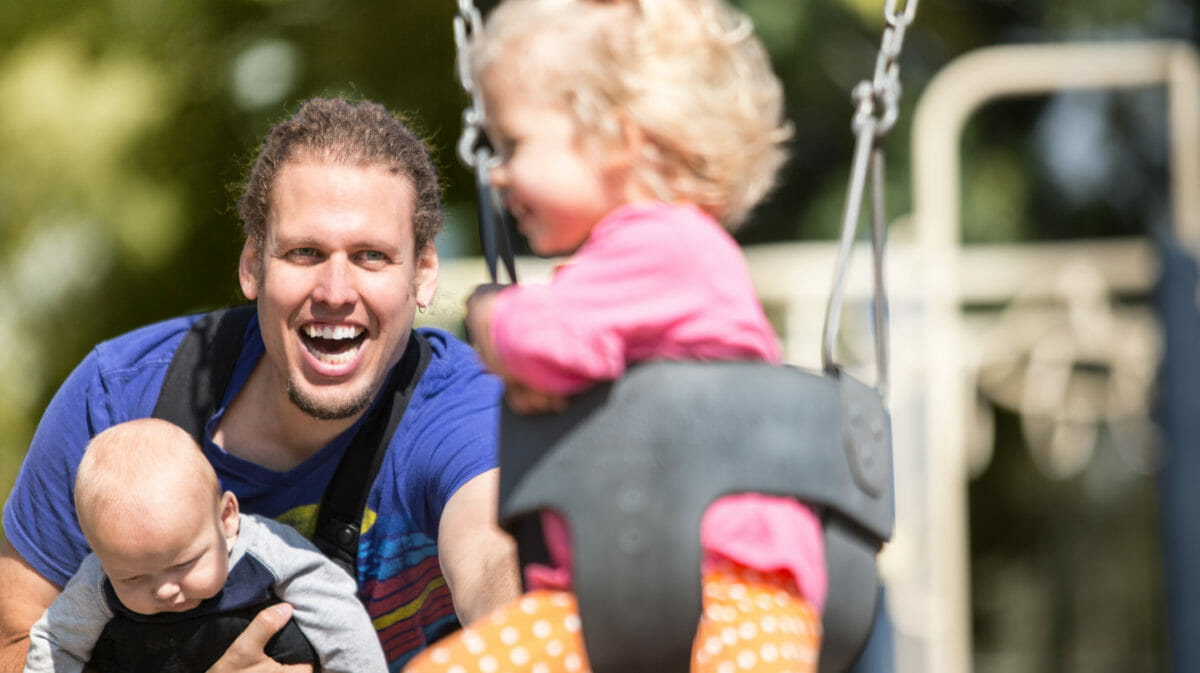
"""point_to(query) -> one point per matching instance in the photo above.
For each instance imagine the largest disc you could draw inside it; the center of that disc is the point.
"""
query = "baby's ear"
(229, 517)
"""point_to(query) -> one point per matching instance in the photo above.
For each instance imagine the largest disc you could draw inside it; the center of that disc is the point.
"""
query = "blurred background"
(1042, 332)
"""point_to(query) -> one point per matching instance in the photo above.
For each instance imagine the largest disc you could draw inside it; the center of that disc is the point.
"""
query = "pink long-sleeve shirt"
(656, 281)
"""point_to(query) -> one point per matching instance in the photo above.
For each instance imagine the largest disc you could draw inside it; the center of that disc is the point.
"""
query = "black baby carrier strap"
(195, 383)
(159, 644)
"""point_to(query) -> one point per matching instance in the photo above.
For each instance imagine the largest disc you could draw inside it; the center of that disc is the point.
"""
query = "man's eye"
(374, 257)
(300, 254)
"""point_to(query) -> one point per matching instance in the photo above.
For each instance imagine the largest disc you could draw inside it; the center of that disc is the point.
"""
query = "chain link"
(884, 86)
(468, 25)
(876, 110)
(475, 152)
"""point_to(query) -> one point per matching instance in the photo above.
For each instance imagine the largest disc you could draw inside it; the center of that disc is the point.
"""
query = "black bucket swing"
(633, 464)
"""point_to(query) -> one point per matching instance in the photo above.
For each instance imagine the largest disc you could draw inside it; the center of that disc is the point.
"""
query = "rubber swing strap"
(495, 223)
(199, 374)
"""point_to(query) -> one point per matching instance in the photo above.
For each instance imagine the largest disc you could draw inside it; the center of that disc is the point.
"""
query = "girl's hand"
(520, 397)
(525, 400)
(477, 323)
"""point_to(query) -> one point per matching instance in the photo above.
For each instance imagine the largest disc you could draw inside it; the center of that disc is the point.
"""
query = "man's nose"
(335, 286)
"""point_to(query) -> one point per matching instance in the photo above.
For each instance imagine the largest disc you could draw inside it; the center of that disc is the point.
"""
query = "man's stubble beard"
(329, 411)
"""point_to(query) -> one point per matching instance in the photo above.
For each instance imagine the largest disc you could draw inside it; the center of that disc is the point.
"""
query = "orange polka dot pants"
(752, 621)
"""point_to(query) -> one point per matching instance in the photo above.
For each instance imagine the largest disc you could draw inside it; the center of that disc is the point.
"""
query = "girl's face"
(556, 187)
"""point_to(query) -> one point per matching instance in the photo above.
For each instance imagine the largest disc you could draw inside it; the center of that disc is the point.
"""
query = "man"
(339, 211)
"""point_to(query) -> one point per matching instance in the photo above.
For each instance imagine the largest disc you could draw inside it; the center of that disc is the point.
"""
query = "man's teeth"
(335, 358)
(331, 332)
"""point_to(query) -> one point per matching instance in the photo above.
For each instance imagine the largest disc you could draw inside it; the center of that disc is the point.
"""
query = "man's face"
(337, 282)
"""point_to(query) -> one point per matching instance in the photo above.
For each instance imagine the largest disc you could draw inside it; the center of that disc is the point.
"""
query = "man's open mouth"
(333, 344)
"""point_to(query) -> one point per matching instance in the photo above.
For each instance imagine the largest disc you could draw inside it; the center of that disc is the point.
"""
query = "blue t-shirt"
(447, 437)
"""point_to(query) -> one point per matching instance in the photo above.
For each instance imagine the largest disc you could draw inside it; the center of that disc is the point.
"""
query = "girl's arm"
(520, 397)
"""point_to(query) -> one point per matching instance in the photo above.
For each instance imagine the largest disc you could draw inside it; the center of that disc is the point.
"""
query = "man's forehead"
(340, 183)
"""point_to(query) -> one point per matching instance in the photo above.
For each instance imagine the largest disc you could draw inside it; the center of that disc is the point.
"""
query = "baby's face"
(168, 568)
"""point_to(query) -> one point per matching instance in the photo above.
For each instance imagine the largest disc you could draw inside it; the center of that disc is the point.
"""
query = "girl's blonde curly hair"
(690, 74)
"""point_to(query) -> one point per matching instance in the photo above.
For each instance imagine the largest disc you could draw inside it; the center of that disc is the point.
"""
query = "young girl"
(632, 134)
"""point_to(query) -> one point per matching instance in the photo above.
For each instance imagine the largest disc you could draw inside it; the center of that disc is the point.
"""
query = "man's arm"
(479, 560)
(24, 596)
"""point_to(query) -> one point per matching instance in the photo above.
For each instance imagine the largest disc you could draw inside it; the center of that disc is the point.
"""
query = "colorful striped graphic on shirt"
(403, 588)
(400, 582)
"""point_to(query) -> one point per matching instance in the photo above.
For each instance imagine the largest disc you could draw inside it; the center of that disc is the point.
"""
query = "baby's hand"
(525, 400)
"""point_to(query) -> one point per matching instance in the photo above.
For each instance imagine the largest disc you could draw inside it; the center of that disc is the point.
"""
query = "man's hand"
(246, 655)
(24, 596)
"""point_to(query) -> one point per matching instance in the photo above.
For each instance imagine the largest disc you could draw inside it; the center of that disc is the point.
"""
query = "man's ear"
(250, 269)
(427, 274)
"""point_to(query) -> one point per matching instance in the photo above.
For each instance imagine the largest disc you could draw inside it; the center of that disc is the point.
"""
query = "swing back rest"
(632, 466)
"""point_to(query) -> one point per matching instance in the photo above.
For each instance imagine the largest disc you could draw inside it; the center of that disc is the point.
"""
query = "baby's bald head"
(142, 471)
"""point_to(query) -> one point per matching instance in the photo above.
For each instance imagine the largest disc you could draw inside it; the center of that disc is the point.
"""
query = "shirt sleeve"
(61, 641)
(324, 598)
(117, 381)
(449, 433)
(39, 516)
(637, 289)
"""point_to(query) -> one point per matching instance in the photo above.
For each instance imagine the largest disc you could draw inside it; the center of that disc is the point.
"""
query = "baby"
(173, 559)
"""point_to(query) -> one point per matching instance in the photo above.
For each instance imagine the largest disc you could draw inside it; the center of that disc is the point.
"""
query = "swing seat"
(632, 466)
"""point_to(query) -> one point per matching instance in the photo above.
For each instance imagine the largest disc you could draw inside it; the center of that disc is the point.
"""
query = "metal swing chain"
(468, 23)
(877, 107)
(473, 150)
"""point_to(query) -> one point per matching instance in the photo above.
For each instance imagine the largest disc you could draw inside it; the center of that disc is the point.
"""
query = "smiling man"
(340, 211)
